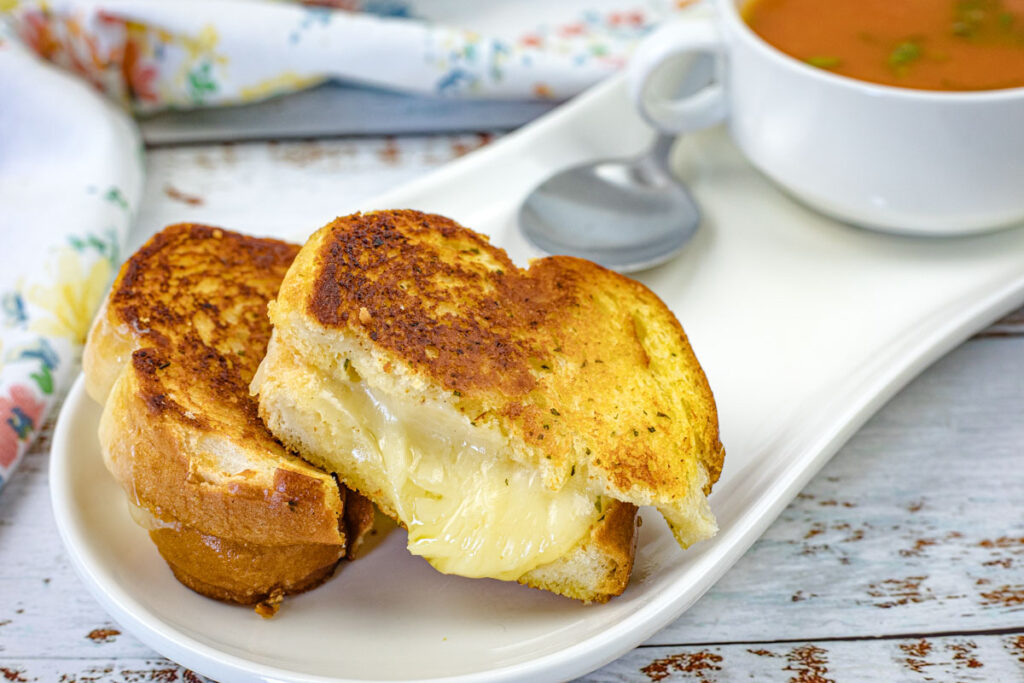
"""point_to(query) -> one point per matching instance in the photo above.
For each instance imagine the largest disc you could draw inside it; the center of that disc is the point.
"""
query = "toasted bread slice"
(510, 419)
(171, 354)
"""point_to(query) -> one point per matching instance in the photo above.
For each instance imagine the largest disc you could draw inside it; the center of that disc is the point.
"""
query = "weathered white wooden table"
(902, 560)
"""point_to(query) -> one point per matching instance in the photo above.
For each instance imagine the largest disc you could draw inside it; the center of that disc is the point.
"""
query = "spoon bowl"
(626, 215)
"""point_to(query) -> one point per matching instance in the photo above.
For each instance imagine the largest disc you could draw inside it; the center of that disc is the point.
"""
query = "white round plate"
(803, 326)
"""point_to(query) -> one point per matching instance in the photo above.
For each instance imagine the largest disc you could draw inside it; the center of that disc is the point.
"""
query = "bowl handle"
(698, 100)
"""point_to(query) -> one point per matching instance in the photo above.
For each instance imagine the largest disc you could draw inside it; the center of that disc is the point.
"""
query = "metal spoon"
(626, 215)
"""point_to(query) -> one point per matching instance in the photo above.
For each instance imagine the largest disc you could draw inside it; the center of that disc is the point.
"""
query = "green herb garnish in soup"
(903, 55)
(924, 44)
(823, 62)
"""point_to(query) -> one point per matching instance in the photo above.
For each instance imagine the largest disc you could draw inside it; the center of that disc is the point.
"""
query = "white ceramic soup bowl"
(894, 159)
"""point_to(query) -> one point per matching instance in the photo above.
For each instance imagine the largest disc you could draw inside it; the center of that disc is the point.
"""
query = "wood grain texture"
(100, 670)
(1010, 325)
(954, 658)
(914, 529)
(301, 185)
(916, 526)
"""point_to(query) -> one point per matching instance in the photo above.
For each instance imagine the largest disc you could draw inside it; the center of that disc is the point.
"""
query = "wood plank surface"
(916, 526)
(952, 658)
(301, 184)
(901, 560)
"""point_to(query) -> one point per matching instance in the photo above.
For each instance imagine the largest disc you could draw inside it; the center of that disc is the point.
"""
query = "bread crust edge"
(149, 456)
(244, 573)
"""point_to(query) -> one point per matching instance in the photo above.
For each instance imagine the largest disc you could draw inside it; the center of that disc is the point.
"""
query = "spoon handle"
(654, 164)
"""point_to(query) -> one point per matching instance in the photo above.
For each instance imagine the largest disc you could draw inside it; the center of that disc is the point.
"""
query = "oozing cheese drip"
(469, 510)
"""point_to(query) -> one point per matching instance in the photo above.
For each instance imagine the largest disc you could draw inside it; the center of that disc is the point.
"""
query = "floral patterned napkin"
(155, 54)
(70, 177)
(71, 164)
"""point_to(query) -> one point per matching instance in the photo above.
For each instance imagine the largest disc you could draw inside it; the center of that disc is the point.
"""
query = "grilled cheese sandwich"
(171, 355)
(510, 419)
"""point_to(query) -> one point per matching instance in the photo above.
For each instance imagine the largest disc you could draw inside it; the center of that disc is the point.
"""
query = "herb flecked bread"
(510, 419)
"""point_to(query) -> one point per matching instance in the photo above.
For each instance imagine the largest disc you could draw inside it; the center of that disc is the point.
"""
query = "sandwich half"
(170, 355)
(511, 420)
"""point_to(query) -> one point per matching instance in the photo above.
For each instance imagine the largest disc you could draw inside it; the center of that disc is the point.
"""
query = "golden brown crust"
(615, 537)
(358, 521)
(195, 298)
(382, 271)
(203, 288)
(171, 354)
(192, 301)
(244, 573)
(151, 456)
(585, 366)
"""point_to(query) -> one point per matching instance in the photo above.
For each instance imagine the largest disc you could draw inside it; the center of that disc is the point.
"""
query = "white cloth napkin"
(70, 179)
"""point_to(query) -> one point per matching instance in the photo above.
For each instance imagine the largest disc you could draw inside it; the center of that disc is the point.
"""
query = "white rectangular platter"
(804, 327)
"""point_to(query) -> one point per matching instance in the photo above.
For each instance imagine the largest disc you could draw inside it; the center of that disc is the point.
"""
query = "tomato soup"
(925, 44)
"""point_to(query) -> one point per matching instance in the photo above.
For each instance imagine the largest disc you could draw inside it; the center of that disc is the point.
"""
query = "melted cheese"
(469, 510)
